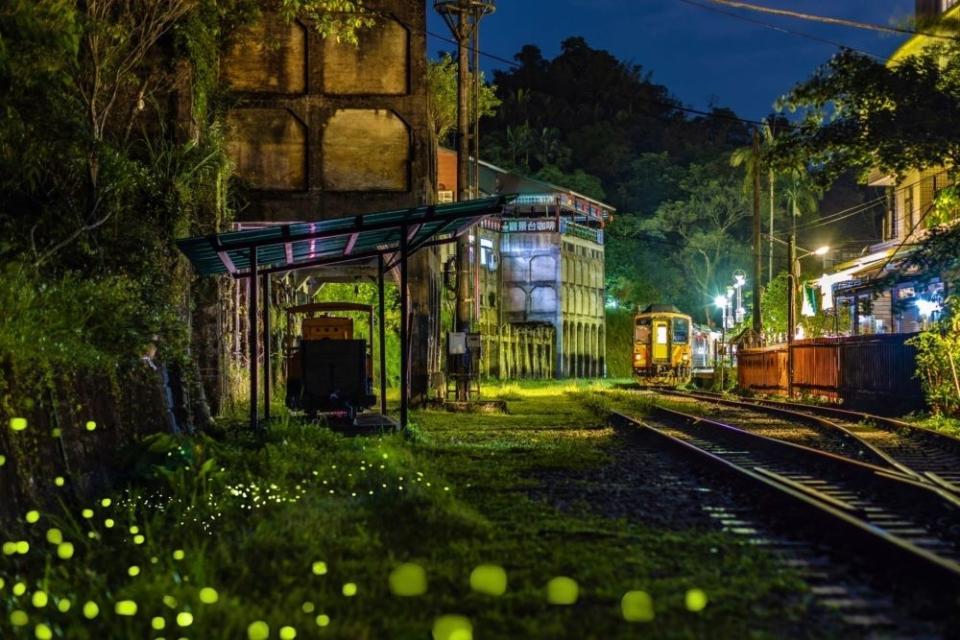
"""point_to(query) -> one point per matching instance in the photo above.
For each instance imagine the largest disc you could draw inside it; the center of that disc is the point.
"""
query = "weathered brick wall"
(324, 128)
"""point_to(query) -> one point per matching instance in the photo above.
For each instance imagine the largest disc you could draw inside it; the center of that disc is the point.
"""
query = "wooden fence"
(877, 371)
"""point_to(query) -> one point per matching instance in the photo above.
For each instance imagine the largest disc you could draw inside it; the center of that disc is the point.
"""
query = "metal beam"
(267, 365)
(252, 341)
(351, 243)
(383, 336)
(404, 333)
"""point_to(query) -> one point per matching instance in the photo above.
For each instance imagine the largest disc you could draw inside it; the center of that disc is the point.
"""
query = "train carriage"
(662, 344)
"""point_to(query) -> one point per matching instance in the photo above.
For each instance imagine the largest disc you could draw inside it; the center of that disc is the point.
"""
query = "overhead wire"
(843, 22)
(780, 29)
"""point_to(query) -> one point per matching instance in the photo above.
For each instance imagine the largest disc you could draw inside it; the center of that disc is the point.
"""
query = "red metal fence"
(876, 370)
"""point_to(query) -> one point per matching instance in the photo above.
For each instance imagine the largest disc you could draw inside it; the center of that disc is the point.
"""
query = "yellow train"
(662, 344)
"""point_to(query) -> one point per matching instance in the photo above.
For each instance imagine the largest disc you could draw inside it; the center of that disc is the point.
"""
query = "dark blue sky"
(700, 55)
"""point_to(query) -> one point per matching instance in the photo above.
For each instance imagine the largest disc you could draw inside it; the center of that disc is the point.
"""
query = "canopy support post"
(267, 364)
(253, 346)
(404, 332)
(383, 336)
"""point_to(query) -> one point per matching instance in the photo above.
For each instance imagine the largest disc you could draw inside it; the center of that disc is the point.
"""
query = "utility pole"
(770, 178)
(463, 18)
(757, 252)
(791, 303)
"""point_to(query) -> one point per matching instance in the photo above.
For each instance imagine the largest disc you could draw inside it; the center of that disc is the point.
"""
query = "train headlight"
(638, 357)
(685, 357)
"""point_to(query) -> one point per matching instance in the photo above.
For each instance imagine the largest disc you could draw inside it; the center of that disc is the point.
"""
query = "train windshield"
(681, 331)
(642, 332)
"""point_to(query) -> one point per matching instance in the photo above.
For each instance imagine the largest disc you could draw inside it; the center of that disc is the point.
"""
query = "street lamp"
(721, 302)
(739, 280)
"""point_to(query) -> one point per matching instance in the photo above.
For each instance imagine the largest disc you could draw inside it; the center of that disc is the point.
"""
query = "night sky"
(703, 57)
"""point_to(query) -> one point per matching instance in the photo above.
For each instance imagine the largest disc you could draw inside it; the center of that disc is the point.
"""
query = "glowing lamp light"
(822, 251)
(927, 307)
(720, 301)
(739, 279)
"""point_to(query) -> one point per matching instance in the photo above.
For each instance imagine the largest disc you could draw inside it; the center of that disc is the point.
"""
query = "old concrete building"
(326, 129)
(539, 277)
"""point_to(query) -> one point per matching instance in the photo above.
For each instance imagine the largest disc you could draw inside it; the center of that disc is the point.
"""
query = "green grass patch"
(307, 531)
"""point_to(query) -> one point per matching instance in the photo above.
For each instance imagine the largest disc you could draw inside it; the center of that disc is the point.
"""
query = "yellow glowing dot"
(408, 579)
(179, 554)
(287, 633)
(64, 605)
(209, 595)
(108, 523)
(349, 589)
(91, 425)
(170, 601)
(91, 610)
(308, 607)
(2, 583)
(106, 502)
(126, 608)
(87, 513)
(385, 456)
(54, 536)
(23, 547)
(19, 618)
(3, 460)
(19, 589)
(42, 632)
(562, 590)
(158, 623)
(696, 600)
(452, 628)
(133, 571)
(319, 568)
(18, 424)
(258, 630)
(32, 517)
(65, 550)
(138, 539)
(637, 606)
(134, 529)
(39, 599)
(59, 481)
(56, 433)
(490, 579)
(9, 548)
(184, 619)
(323, 620)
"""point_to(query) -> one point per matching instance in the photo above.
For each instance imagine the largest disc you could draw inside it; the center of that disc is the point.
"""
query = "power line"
(774, 27)
(843, 22)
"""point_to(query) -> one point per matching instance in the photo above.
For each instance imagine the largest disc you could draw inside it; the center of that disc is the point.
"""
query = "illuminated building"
(540, 280)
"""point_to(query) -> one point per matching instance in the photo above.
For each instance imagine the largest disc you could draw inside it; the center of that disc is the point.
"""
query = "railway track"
(894, 523)
(927, 456)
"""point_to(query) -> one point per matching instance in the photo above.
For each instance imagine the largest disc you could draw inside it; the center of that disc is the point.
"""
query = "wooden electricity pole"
(757, 250)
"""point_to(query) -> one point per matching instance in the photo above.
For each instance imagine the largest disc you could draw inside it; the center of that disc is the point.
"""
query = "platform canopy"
(287, 247)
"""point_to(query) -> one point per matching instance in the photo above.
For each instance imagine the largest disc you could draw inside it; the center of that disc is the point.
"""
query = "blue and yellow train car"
(662, 344)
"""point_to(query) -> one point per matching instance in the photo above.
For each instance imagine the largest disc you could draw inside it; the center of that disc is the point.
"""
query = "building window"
(487, 257)
(908, 211)
(892, 230)
(444, 196)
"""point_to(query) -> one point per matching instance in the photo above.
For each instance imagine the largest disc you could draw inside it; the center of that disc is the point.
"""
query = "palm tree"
(744, 156)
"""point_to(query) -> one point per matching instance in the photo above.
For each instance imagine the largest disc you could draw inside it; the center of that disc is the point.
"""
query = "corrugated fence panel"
(881, 368)
(763, 369)
(815, 366)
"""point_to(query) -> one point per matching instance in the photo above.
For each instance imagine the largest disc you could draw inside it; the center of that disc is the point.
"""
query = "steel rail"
(927, 455)
(830, 519)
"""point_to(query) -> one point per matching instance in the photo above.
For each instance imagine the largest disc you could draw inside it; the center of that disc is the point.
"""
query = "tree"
(442, 97)
(706, 229)
(863, 114)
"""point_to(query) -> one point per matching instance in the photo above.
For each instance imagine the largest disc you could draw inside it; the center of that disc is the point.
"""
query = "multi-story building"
(907, 305)
(323, 129)
(538, 276)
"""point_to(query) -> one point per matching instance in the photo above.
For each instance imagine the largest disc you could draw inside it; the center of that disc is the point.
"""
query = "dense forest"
(602, 126)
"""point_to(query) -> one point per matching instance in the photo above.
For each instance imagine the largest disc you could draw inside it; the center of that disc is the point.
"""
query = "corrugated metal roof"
(335, 241)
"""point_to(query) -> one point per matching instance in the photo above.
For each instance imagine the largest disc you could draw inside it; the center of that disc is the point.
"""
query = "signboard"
(531, 225)
(456, 343)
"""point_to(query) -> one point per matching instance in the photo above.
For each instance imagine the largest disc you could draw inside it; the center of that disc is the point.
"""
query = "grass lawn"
(316, 535)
